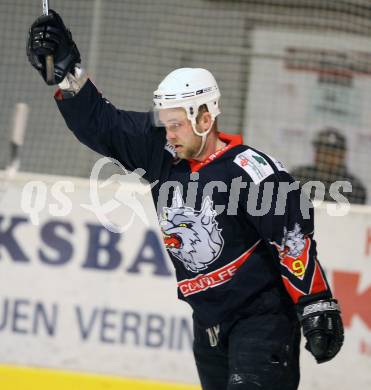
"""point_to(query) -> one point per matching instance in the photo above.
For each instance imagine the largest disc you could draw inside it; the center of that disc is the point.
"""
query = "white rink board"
(344, 248)
(126, 320)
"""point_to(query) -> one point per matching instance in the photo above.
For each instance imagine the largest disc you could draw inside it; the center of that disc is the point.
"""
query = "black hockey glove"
(323, 328)
(49, 36)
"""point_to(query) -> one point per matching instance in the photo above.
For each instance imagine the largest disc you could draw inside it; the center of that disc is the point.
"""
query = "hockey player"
(250, 274)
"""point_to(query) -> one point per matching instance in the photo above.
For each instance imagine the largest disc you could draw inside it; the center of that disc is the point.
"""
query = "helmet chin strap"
(203, 137)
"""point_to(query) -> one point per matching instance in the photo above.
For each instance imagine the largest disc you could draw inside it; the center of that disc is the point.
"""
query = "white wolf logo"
(190, 235)
(293, 242)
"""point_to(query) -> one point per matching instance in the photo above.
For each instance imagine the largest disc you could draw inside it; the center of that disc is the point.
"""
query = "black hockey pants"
(258, 352)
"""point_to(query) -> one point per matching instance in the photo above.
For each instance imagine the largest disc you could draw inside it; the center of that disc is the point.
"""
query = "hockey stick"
(16, 141)
(49, 61)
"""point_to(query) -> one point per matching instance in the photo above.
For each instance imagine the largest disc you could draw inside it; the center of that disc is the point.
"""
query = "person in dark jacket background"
(330, 166)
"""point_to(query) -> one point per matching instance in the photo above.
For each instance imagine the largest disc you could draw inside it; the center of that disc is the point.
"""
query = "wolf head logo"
(192, 236)
(293, 242)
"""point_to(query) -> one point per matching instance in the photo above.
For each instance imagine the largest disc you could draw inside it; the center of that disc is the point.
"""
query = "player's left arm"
(292, 237)
(287, 227)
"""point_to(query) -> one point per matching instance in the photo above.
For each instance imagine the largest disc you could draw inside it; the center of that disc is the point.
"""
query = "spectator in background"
(329, 166)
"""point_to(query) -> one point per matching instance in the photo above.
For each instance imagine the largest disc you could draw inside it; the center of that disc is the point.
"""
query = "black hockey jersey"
(234, 225)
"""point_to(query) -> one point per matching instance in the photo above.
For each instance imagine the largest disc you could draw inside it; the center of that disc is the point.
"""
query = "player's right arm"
(125, 136)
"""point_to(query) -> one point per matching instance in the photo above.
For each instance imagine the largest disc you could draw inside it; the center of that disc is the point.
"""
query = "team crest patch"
(294, 251)
(192, 236)
(254, 164)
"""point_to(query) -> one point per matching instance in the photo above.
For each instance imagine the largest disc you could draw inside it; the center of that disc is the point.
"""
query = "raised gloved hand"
(322, 327)
(49, 36)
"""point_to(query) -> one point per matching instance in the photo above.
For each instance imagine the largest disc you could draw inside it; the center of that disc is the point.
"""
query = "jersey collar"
(231, 141)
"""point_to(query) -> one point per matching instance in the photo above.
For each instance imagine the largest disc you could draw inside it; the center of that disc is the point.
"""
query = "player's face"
(179, 132)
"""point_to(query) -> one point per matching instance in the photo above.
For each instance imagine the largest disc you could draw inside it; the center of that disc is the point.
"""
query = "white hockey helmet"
(188, 88)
